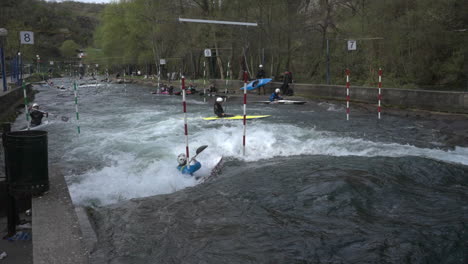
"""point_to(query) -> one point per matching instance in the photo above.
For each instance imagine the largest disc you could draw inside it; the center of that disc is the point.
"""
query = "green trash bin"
(27, 162)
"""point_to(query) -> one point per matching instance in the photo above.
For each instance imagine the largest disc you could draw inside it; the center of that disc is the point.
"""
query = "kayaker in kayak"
(218, 108)
(194, 165)
(36, 115)
(191, 89)
(275, 96)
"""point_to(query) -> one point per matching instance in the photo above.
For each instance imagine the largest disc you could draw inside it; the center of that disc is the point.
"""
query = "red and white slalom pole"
(347, 94)
(184, 104)
(204, 81)
(245, 112)
(380, 92)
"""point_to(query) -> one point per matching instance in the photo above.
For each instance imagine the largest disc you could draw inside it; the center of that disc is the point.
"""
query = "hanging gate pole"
(245, 112)
(76, 109)
(184, 104)
(380, 92)
(26, 111)
(347, 94)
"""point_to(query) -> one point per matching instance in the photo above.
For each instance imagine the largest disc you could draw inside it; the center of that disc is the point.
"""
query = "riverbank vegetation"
(420, 43)
(57, 26)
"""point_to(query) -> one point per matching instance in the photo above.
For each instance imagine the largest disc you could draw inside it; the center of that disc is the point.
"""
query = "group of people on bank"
(287, 79)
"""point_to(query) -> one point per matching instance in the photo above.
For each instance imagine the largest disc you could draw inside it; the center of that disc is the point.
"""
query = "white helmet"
(219, 99)
(277, 90)
(182, 159)
(261, 66)
(35, 105)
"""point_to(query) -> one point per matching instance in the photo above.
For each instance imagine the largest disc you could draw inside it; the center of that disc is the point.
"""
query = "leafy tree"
(69, 49)
(415, 42)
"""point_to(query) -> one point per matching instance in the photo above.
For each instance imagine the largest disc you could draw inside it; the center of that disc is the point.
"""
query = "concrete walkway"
(57, 235)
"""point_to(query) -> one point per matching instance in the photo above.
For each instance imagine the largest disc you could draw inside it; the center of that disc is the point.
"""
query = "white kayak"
(214, 172)
(283, 102)
(42, 125)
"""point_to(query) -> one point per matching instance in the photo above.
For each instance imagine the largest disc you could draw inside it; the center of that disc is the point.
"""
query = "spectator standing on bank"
(261, 75)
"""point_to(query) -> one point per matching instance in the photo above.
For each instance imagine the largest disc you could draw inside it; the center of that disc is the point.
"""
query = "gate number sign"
(27, 37)
(352, 45)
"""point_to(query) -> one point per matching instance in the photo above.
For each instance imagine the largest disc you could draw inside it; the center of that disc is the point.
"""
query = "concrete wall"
(442, 101)
(10, 100)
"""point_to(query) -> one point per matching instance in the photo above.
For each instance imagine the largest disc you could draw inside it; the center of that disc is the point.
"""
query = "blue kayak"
(257, 83)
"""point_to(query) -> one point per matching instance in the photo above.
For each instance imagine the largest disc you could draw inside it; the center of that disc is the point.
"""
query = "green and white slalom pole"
(76, 108)
(125, 85)
(159, 80)
(227, 77)
(26, 111)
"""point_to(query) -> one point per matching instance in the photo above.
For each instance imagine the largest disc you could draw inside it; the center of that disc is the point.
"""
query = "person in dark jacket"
(275, 96)
(260, 75)
(212, 90)
(218, 108)
(36, 115)
(287, 79)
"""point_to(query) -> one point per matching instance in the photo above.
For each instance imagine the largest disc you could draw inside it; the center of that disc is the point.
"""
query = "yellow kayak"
(237, 117)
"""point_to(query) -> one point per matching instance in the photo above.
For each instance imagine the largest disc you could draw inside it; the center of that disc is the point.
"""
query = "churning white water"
(130, 139)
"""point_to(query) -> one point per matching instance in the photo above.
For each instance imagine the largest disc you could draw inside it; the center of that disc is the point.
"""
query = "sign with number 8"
(27, 37)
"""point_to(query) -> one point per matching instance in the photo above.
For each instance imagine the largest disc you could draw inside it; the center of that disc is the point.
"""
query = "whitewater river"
(312, 187)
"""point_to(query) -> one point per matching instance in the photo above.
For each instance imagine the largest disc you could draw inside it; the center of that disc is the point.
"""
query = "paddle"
(199, 150)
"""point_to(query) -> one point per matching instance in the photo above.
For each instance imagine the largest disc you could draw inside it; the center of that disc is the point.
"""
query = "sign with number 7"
(27, 37)
(352, 45)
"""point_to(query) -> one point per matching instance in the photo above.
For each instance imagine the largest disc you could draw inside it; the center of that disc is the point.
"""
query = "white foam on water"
(136, 149)
(141, 160)
(93, 85)
(331, 107)
(266, 141)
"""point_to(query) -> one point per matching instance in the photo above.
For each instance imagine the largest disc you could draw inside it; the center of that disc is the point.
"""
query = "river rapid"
(312, 187)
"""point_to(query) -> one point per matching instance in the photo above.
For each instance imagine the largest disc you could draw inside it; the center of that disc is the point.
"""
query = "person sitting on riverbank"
(275, 96)
(36, 115)
(212, 90)
(194, 165)
(218, 108)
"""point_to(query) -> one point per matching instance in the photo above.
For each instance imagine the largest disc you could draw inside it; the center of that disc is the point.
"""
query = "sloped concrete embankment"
(11, 100)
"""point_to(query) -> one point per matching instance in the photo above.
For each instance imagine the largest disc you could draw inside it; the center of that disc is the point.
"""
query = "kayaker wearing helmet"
(194, 165)
(36, 115)
(275, 96)
(218, 108)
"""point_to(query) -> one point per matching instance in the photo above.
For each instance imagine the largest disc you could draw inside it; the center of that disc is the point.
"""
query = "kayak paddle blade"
(200, 149)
